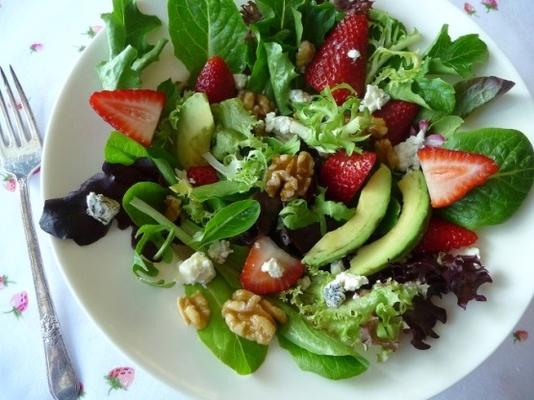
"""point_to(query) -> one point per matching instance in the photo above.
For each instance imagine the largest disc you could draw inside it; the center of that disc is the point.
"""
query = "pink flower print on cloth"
(491, 5)
(120, 378)
(35, 47)
(9, 182)
(19, 303)
(520, 336)
(469, 9)
(4, 281)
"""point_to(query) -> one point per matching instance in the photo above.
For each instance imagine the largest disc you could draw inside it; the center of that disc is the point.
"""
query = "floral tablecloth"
(43, 40)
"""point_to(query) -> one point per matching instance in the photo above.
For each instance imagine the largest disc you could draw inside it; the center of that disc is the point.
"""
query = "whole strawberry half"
(261, 282)
(399, 116)
(202, 175)
(444, 236)
(342, 58)
(216, 80)
(451, 174)
(344, 175)
(134, 112)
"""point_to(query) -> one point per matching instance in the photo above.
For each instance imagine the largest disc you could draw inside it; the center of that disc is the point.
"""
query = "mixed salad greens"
(313, 159)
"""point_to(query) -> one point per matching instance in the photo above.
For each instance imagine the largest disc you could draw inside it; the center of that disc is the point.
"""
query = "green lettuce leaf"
(129, 51)
(457, 57)
(331, 367)
(120, 149)
(242, 355)
(281, 72)
(502, 195)
(200, 29)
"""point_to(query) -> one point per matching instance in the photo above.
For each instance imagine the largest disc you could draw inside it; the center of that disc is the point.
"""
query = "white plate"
(144, 323)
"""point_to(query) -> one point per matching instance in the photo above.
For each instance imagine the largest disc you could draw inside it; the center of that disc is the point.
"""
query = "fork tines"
(15, 130)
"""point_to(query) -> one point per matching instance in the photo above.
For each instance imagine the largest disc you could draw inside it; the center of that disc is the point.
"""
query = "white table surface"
(43, 40)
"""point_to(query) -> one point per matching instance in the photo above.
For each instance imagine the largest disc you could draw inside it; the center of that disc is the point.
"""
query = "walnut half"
(290, 176)
(195, 310)
(251, 317)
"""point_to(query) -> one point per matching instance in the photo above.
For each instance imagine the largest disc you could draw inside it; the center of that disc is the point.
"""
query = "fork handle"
(62, 380)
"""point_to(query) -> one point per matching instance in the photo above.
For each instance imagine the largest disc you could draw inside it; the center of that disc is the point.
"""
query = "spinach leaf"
(231, 221)
(502, 195)
(331, 367)
(281, 22)
(242, 355)
(219, 189)
(437, 94)
(200, 29)
(314, 340)
(259, 76)
(447, 125)
(149, 192)
(474, 93)
(282, 72)
(318, 19)
(165, 162)
(129, 51)
(456, 57)
(120, 149)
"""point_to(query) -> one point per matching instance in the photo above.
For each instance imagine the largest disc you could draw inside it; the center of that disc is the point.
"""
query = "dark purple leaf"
(358, 6)
(422, 319)
(443, 273)
(250, 12)
(66, 217)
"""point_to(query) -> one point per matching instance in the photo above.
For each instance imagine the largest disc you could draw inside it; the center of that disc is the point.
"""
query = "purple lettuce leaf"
(66, 217)
(443, 273)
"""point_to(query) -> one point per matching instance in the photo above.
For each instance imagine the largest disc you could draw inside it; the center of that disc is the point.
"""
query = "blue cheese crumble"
(299, 96)
(407, 151)
(353, 54)
(333, 294)
(196, 269)
(241, 81)
(374, 99)
(273, 268)
(219, 251)
(101, 208)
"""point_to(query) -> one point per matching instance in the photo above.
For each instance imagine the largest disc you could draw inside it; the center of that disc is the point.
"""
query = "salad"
(311, 180)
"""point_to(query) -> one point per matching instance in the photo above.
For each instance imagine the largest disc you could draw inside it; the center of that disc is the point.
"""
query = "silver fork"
(20, 155)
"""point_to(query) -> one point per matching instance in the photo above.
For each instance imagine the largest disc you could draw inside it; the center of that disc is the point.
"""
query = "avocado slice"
(194, 131)
(404, 236)
(372, 206)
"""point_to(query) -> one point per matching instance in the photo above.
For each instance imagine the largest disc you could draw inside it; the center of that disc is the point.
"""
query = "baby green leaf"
(331, 367)
(231, 221)
(456, 57)
(120, 149)
(282, 72)
(502, 195)
(200, 29)
(242, 355)
(151, 193)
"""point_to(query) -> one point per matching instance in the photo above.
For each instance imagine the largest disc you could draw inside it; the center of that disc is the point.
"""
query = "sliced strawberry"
(261, 282)
(444, 236)
(216, 80)
(451, 174)
(344, 175)
(342, 58)
(202, 175)
(134, 112)
(399, 116)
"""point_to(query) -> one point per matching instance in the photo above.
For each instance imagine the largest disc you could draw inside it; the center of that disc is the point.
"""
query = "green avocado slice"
(194, 131)
(372, 206)
(404, 236)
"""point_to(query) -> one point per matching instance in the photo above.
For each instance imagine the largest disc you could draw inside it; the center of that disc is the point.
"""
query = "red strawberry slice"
(261, 282)
(451, 174)
(216, 80)
(134, 112)
(344, 175)
(202, 175)
(342, 58)
(444, 236)
(399, 116)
